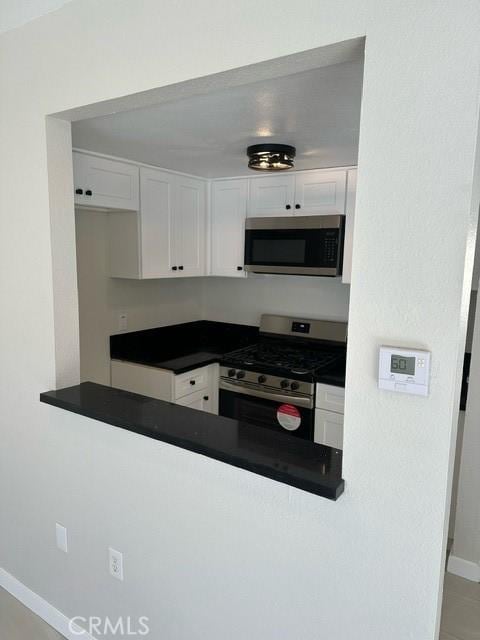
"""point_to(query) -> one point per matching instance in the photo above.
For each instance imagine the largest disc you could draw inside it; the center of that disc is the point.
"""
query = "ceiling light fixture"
(270, 157)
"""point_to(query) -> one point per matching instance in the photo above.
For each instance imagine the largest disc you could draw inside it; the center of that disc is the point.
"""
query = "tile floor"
(460, 615)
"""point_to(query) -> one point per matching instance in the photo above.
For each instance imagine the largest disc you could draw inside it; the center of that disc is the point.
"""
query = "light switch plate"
(61, 537)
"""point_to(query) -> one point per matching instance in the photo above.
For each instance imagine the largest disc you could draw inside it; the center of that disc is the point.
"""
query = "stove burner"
(294, 358)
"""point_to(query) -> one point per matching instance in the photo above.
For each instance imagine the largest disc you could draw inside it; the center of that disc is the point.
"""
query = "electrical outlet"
(61, 536)
(122, 322)
(115, 563)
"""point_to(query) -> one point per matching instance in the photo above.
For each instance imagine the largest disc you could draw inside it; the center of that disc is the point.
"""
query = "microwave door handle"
(304, 402)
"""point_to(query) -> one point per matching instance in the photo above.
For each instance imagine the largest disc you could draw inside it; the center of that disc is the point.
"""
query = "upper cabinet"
(103, 183)
(303, 193)
(158, 219)
(272, 196)
(319, 192)
(228, 209)
(166, 239)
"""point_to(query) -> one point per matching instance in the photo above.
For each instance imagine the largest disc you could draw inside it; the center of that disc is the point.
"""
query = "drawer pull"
(192, 382)
(205, 398)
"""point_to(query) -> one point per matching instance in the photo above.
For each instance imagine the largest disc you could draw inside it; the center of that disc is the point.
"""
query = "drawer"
(191, 381)
(328, 428)
(330, 398)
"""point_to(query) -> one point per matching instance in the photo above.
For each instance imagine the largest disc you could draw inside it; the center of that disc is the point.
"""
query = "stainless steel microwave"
(295, 245)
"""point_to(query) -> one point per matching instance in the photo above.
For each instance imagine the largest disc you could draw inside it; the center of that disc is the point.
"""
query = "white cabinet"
(329, 403)
(304, 193)
(102, 183)
(200, 400)
(349, 225)
(197, 389)
(167, 237)
(320, 192)
(272, 196)
(189, 228)
(155, 224)
(328, 428)
(228, 209)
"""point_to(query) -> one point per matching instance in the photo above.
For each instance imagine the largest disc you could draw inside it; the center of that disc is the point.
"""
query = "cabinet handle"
(88, 192)
(297, 206)
(181, 267)
(239, 268)
(287, 206)
(174, 268)
(205, 398)
(192, 382)
(79, 192)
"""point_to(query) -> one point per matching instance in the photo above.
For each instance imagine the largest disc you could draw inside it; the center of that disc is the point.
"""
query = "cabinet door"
(328, 428)
(271, 196)
(138, 378)
(320, 192)
(189, 226)
(156, 222)
(200, 400)
(330, 397)
(105, 183)
(349, 223)
(227, 227)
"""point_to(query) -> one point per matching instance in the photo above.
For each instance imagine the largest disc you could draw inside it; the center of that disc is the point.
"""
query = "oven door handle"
(305, 402)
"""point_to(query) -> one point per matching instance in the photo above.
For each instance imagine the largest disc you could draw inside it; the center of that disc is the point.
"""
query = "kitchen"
(214, 282)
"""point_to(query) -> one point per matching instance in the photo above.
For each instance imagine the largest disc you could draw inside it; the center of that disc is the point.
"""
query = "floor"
(19, 623)
(461, 609)
(460, 616)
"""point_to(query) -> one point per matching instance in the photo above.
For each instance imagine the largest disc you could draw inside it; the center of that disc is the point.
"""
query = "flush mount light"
(270, 157)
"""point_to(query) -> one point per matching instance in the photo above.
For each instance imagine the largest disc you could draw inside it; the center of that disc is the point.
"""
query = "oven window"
(278, 251)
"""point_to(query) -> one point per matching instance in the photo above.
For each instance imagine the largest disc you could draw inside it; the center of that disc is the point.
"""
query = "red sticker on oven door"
(289, 417)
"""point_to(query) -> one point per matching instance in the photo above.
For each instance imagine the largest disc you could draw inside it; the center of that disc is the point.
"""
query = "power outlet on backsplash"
(122, 322)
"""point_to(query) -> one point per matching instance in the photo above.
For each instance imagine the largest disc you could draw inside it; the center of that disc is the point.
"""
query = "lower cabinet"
(328, 428)
(329, 408)
(197, 389)
(201, 400)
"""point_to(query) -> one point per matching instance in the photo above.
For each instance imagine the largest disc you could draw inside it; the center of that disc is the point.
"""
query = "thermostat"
(404, 370)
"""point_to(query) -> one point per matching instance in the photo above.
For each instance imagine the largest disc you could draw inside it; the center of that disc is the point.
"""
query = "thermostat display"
(404, 370)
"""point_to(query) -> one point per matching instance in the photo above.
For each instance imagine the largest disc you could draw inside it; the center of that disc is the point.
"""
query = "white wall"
(211, 550)
(147, 303)
(243, 300)
(465, 557)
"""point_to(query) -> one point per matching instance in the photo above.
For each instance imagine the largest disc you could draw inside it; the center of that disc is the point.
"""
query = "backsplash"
(244, 300)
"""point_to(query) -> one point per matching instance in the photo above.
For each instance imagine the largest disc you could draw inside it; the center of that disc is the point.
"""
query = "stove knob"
(262, 379)
(284, 384)
(231, 373)
(294, 386)
(240, 375)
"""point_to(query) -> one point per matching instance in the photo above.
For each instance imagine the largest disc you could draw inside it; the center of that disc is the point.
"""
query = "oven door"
(303, 245)
(290, 414)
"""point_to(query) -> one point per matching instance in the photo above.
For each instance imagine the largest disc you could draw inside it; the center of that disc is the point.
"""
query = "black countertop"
(186, 346)
(182, 347)
(279, 456)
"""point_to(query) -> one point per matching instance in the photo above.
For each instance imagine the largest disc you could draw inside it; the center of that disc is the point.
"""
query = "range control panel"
(404, 370)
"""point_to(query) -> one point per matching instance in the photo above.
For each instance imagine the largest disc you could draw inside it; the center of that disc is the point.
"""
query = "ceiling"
(15, 13)
(316, 111)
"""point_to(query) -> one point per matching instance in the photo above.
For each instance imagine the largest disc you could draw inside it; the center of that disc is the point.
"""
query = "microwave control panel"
(404, 370)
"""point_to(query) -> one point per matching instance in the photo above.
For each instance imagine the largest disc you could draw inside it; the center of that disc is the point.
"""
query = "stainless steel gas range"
(272, 383)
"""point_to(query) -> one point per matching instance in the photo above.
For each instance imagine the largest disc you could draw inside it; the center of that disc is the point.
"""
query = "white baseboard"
(42, 608)
(464, 568)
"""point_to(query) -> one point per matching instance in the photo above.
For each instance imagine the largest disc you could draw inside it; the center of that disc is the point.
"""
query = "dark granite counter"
(279, 456)
(182, 347)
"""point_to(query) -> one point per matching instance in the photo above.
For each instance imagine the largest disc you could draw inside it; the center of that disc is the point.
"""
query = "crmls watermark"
(97, 626)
